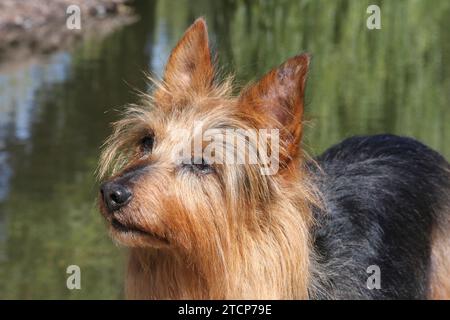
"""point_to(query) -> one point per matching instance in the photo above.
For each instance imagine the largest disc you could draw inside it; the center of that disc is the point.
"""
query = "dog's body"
(205, 229)
(385, 197)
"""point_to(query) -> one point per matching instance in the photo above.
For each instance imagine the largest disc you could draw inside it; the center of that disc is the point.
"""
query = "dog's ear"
(277, 100)
(189, 68)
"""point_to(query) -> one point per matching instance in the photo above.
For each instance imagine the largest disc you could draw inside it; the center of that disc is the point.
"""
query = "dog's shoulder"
(381, 195)
(374, 168)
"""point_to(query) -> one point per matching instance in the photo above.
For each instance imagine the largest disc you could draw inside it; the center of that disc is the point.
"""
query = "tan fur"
(233, 235)
(439, 288)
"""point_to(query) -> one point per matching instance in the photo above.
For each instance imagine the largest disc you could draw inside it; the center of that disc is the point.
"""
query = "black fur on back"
(382, 196)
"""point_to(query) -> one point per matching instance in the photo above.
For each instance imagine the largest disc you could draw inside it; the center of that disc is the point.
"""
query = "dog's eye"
(201, 167)
(146, 143)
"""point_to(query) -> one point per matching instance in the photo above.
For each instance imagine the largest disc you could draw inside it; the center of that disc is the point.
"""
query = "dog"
(368, 219)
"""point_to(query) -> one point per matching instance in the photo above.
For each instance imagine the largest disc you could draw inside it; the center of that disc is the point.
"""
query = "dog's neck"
(274, 264)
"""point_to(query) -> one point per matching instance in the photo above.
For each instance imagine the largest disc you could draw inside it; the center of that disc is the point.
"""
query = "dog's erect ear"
(277, 99)
(189, 67)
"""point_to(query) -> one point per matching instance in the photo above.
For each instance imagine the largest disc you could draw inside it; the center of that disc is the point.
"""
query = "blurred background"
(60, 89)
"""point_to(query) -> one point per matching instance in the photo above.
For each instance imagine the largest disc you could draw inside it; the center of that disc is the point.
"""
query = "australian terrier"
(243, 213)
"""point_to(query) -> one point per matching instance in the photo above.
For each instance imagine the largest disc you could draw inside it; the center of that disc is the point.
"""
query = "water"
(54, 114)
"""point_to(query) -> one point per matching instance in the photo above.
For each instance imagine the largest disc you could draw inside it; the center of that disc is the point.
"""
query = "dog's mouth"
(134, 231)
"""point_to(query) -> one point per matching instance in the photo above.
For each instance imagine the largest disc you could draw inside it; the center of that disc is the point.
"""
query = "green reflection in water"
(394, 80)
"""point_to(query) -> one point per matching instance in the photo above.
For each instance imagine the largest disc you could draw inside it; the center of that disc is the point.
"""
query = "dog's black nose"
(115, 195)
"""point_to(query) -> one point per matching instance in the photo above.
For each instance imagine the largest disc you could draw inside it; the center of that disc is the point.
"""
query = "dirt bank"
(31, 28)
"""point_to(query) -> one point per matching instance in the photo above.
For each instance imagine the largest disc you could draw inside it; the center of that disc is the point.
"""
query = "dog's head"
(187, 167)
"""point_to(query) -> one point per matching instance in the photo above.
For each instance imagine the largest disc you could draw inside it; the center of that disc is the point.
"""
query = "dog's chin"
(133, 236)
